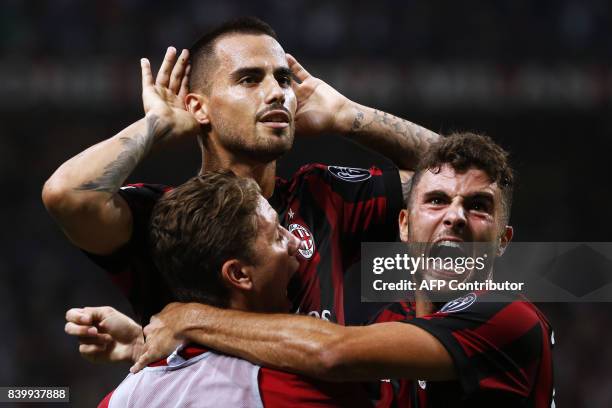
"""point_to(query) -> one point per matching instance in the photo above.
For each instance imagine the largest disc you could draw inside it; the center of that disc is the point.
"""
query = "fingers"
(147, 76)
(185, 83)
(145, 359)
(300, 73)
(91, 348)
(74, 329)
(89, 315)
(178, 72)
(87, 334)
(151, 327)
(163, 75)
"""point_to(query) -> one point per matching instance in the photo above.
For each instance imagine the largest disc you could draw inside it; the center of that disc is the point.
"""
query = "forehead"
(453, 183)
(249, 50)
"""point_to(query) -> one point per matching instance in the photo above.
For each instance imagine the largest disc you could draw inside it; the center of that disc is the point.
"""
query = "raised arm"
(301, 344)
(82, 193)
(321, 108)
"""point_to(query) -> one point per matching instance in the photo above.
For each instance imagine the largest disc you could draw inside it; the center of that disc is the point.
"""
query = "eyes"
(284, 80)
(248, 80)
(436, 200)
(475, 204)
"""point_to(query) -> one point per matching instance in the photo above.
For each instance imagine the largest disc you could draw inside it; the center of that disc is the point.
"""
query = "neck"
(263, 173)
(245, 303)
(424, 306)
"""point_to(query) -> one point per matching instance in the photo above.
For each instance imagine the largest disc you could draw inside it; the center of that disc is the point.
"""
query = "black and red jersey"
(501, 346)
(332, 209)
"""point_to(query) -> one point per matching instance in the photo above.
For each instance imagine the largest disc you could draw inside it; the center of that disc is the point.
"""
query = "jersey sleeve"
(130, 267)
(366, 201)
(497, 348)
(105, 403)
(395, 312)
(281, 389)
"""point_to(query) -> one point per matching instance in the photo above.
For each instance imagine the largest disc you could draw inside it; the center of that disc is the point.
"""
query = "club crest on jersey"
(351, 174)
(459, 304)
(307, 244)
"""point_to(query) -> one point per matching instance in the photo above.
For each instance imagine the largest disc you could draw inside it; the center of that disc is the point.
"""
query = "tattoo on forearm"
(134, 150)
(417, 136)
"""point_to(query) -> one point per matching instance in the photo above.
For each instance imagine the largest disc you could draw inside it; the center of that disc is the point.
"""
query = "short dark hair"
(199, 225)
(463, 151)
(203, 51)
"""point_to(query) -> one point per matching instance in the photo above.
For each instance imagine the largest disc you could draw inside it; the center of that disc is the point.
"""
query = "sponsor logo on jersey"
(459, 304)
(307, 244)
(351, 174)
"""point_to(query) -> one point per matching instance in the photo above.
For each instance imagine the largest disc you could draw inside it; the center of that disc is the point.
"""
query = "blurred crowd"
(504, 30)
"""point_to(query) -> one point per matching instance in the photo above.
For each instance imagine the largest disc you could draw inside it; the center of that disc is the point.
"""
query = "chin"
(270, 153)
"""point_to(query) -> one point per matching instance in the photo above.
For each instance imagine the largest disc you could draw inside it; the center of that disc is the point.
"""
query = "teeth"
(275, 118)
(450, 244)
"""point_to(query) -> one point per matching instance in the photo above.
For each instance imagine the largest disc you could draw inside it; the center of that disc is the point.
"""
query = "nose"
(455, 217)
(294, 243)
(274, 92)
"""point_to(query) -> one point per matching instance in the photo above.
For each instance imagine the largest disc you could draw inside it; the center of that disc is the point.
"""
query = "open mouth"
(277, 119)
(448, 249)
(447, 258)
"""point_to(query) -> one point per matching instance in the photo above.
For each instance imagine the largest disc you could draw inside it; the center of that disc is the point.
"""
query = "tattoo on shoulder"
(134, 149)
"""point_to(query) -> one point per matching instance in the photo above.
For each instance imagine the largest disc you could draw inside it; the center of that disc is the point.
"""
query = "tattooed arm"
(398, 139)
(321, 109)
(82, 193)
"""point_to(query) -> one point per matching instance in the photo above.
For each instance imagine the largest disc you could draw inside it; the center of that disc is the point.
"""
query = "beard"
(486, 251)
(255, 144)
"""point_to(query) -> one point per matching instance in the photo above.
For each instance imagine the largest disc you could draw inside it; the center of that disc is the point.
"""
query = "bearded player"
(238, 97)
(484, 349)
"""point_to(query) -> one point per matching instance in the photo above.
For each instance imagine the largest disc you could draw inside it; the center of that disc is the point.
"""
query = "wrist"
(193, 316)
(345, 118)
(159, 125)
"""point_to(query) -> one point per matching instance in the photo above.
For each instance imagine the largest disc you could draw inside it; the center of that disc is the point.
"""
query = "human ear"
(197, 105)
(505, 239)
(236, 273)
(403, 225)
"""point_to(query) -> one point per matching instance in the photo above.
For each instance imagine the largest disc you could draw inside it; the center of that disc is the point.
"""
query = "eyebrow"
(479, 194)
(245, 71)
(435, 193)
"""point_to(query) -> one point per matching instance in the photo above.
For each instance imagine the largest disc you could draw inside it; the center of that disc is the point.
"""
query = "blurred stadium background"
(536, 76)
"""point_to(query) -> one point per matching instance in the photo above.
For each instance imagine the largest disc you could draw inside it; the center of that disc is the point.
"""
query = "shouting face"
(456, 215)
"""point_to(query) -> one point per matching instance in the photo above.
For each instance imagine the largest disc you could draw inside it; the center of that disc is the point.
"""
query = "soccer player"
(239, 98)
(216, 240)
(483, 349)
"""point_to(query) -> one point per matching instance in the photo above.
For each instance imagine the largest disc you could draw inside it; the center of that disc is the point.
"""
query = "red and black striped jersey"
(332, 209)
(501, 346)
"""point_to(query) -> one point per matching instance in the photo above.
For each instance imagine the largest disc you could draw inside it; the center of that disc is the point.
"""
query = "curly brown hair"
(198, 226)
(465, 150)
